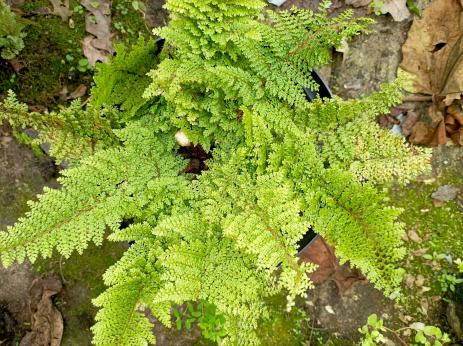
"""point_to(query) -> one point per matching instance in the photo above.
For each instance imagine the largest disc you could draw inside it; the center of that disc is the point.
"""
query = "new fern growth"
(232, 79)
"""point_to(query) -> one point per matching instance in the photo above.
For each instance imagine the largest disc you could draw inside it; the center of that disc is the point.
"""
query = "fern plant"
(231, 78)
(11, 35)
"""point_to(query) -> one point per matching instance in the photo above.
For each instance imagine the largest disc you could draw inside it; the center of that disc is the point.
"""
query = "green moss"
(440, 231)
(441, 226)
(53, 49)
(82, 278)
(46, 70)
(127, 22)
(13, 201)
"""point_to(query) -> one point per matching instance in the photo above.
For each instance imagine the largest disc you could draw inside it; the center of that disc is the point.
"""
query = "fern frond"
(100, 193)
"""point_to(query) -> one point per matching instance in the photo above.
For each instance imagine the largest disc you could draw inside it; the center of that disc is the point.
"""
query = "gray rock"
(22, 176)
(445, 193)
(277, 2)
(372, 59)
(351, 308)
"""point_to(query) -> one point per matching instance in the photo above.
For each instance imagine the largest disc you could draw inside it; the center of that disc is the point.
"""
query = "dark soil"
(156, 14)
(8, 328)
(197, 158)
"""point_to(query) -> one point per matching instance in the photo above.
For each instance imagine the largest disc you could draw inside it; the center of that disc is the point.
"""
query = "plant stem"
(402, 342)
(418, 98)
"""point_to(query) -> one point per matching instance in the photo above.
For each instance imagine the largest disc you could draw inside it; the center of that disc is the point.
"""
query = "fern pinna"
(231, 77)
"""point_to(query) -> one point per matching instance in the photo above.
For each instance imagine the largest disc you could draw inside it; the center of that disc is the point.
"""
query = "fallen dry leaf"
(419, 281)
(454, 123)
(431, 129)
(80, 91)
(397, 8)
(432, 53)
(61, 8)
(414, 236)
(409, 280)
(425, 289)
(17, 64)
(358, 3)
(424, 306)
(420, 252)
(410, 121)
(47, 322)
(433, 58)
(329, 309)
(407, 332)
(324, 257)
(405, 318)
(98, 46)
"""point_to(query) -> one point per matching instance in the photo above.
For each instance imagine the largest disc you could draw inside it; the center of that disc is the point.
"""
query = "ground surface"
(335, 316)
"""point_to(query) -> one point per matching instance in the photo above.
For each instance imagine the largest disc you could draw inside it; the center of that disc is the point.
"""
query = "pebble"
(277, 2)
(445, 193)
(329, 309)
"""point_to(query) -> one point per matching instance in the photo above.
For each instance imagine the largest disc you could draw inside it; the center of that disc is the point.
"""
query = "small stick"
(402, 342)
(417, 98)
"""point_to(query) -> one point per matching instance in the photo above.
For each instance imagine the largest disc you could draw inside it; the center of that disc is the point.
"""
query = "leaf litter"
(433, 59)
(97, 46)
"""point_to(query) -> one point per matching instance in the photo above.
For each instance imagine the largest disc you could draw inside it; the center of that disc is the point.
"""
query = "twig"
(417, 98)
(402, 342)
(82, 104)
(311, 331)
(61, 270)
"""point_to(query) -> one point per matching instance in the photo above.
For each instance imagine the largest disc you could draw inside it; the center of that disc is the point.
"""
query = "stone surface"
(372, 59)
(156, 15)
(22, 176)
(445, 193)
(343, 314)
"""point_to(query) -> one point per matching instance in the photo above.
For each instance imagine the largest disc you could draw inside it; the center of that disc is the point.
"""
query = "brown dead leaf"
(324, 256)
(17, 64)
(420, 252)
(440, 135)
(358, 3)
(61, 8)
(405, 318)
(438, 203)
(98, 23)
(409, 280)
(419, 281)
(414, 236)
(432, 53)
(47, 322)
(432, 131)
(454, 123)
(425, 289)
(424, 306)
(80, 91)
(407, 332)
(421, 133)
(92, 53)
(397, 8)
(410, 121)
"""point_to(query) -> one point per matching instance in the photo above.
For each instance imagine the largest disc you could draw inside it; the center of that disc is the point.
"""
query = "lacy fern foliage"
(231, 77)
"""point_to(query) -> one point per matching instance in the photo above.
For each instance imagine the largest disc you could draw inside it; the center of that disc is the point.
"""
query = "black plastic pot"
(323, 91)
